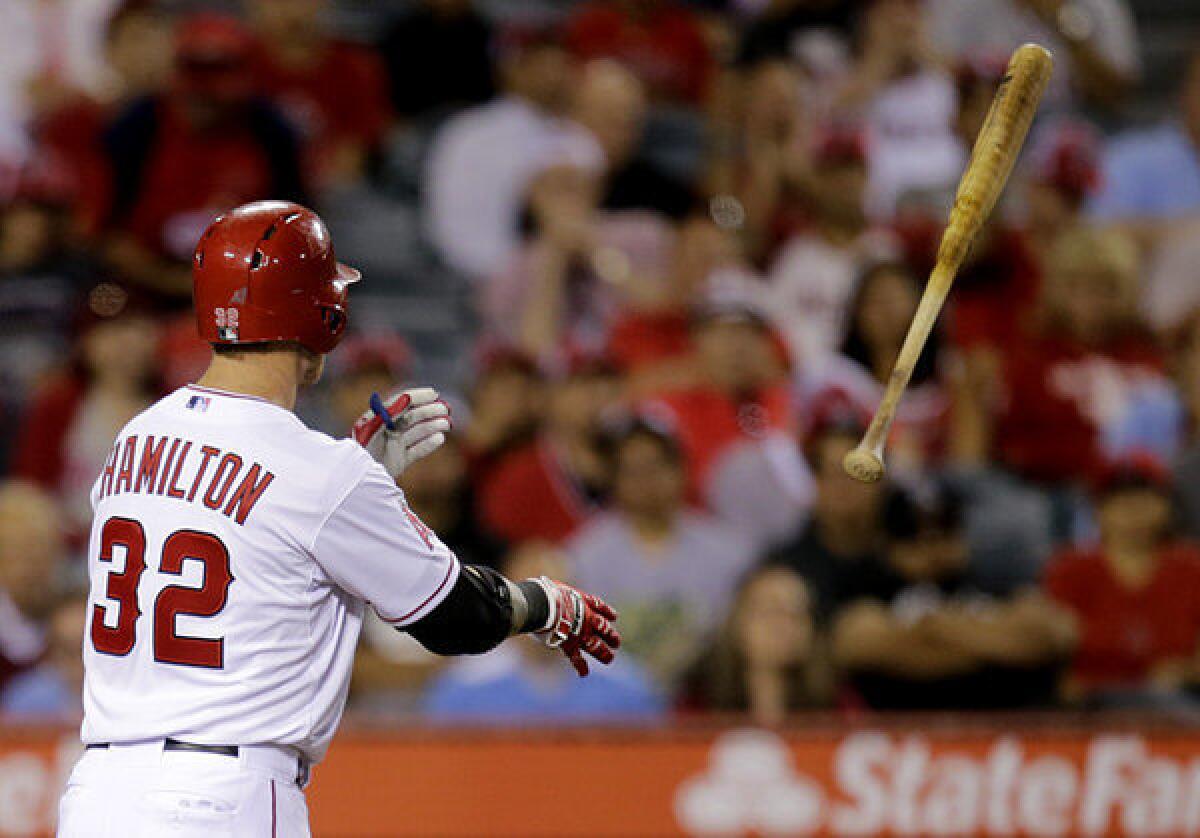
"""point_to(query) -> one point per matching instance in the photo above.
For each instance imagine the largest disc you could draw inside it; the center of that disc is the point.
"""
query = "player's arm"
(374, 547)
(483, 609)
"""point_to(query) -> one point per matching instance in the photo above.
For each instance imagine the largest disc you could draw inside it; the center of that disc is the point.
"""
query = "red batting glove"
(579, 623)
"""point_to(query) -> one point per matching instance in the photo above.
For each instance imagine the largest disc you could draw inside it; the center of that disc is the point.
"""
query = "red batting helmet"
(266, 272)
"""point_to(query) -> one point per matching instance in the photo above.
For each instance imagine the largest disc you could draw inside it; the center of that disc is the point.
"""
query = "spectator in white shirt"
(1094, 42)
(813, 277)
(909, 103)
(481, 160)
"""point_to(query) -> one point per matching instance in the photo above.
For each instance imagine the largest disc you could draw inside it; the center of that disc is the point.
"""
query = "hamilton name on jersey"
(187, 470)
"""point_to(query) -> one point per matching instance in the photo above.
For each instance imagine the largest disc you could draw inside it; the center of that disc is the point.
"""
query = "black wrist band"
(537, 605)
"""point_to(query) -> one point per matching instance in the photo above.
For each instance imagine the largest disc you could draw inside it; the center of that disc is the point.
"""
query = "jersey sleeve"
(376, 548)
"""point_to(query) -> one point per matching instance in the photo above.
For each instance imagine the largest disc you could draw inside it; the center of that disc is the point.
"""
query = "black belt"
(176, 745)
(302, 767)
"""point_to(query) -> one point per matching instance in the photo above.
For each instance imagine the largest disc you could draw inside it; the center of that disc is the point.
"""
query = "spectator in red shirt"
(661, 40)
(1136, 594)
(177, 159)
(544, 489)
(1089, 377)
(650, 338)
(68, 430)
(31, 555)
(737, 423)
(334, 92)
(1063, 172)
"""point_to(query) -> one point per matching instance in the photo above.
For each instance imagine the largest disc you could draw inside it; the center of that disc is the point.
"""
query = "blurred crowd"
(691, 237)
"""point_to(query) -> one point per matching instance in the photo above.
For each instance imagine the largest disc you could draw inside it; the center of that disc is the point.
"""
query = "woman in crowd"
(766, 661)
(879, 317)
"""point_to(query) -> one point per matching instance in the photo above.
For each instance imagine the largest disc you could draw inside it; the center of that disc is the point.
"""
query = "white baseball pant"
(143, 791)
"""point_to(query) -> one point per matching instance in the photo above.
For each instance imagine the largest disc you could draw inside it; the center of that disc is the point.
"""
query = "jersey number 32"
(172, 600)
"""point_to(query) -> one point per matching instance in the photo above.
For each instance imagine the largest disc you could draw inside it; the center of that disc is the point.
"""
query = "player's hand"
(579, 623)
(403, 428)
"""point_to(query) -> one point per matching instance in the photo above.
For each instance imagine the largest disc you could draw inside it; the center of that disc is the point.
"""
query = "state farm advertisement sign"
(1006, 779)
(878, 783)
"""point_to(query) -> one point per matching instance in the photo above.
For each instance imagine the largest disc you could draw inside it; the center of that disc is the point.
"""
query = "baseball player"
(234, 550)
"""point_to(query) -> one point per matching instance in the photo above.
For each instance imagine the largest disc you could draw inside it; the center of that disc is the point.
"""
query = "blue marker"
(381, 412)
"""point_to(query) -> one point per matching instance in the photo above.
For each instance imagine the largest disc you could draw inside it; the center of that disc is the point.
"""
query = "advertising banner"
(902, 779)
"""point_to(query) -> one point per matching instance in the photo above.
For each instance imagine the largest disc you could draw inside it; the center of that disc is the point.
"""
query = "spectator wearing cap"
(43, 273)
(667, 569)
(933, 641)
(578, 265)
(547, 487)
(1135, 594)
(839, 551)
(878, 318)
(907, 102)
(67, 432)
(1153, 174)
(768, 660)
(334, 92)
(1088, 379)
(53, 689)
(177, 159)
(661, 40)
(451, 35)
(736, 421)
(610, 102)
(1094, 42)
(479, 161)
(813, 276)
(524, 684)
(31, 556)
(1063, 169)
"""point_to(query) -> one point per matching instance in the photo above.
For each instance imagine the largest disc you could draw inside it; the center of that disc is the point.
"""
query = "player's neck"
(268, 377)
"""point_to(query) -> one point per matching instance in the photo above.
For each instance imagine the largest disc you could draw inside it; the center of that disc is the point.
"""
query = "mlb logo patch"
(199, 403)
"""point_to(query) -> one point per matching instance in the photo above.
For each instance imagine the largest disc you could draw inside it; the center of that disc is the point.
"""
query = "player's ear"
(311, 367)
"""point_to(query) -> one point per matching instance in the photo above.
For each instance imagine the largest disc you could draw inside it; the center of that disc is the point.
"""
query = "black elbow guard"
(475, 617)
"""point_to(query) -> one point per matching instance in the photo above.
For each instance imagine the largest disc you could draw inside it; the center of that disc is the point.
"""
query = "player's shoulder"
(335, 456)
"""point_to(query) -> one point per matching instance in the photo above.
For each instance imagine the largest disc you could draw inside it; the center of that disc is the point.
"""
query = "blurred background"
(660, 256)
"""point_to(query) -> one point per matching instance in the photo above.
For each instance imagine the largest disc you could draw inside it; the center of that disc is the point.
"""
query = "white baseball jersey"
(232, 553)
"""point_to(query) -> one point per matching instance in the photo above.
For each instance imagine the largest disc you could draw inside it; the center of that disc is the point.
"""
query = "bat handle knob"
(864, 465)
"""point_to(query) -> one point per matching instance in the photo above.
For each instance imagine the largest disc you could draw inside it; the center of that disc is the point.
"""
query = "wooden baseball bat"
(992, 159)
